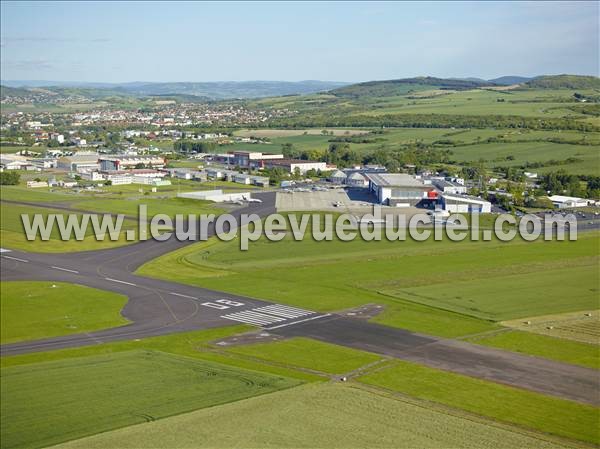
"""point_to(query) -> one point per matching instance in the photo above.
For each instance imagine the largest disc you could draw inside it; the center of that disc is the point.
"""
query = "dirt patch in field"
(248, 339)
(365, 312)
(581, 326)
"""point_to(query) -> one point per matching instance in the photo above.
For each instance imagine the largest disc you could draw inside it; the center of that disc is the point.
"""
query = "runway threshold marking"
(267, 315)
(65, 269)
(120, 282)
(183, 296)
(15, 258)
(298, 322)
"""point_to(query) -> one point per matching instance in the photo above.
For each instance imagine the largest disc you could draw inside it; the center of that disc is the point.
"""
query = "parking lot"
(354, 201)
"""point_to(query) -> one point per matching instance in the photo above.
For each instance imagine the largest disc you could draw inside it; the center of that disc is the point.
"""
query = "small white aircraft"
(252, 200)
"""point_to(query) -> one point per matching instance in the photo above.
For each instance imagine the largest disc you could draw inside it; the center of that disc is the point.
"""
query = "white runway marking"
(183, 296)
(120, 282)
(298, 322)
(15, 258)
(3, 250)
(65, 269)
(284, 311)
(266, 315)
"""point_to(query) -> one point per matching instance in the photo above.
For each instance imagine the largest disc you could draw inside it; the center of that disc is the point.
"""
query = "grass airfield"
(287, 393)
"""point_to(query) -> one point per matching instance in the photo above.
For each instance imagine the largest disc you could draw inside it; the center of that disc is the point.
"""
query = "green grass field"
(69, 399)
(513, 296)
(442, 288)
(32, 310)
(546, 414)
(326, 415)
(310, 354)
(495, 154)
(328, 276)
(12, 233)
(560, 349)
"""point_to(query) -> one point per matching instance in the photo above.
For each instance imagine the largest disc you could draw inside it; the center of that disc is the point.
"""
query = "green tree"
(9, 178)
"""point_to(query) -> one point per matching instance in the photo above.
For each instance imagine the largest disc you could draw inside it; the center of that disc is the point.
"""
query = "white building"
(36, 184)
(91, 175)
(44, 163)
(338, 177)
(118, 179)
(9, 163)
(567, 202)
(399, 189)
(465, 204)
(449, 187)
(78, 162)
(120, 162)
(357, 180)
(293, 165)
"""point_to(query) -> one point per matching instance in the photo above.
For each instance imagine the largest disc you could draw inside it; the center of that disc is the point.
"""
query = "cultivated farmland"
(69, 399)
(311, 416)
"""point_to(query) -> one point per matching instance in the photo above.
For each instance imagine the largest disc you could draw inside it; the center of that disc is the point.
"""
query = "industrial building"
(450, 187)
(261, 181)
(123, 162)
(78, 162)
(253, 159)
(463, 203)
(398, 189)
(215, 195)
(567, 202)
(356, 180)
(338, 177)
(291, 165)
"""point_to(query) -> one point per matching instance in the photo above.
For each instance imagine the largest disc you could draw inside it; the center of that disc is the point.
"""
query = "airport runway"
(158, 307)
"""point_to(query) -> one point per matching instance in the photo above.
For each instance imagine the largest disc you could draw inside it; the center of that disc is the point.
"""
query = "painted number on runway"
(222, 304)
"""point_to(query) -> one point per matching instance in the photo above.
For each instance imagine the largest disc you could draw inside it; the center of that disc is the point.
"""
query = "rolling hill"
(220, 90)
(404, 86)
(564, 82)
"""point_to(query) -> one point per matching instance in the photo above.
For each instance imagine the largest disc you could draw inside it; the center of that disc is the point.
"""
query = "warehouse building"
(337, 177)
(399, 189)
(78, 162)
(241, 178)
(290, 165)
(450, 187)
(253, 159)
(123, 162)
(356, 180)
(465, 204)
(567, 202)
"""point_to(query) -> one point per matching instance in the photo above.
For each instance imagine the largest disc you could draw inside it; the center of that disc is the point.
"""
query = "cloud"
(55, 39)
(29, 64)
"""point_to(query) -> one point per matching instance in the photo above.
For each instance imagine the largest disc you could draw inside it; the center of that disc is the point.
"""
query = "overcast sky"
(354, 41)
